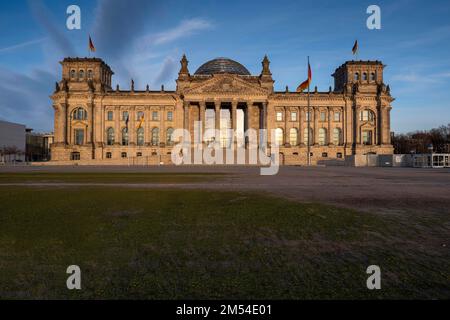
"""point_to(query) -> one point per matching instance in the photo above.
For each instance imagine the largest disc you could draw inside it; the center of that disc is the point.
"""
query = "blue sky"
(144, 40)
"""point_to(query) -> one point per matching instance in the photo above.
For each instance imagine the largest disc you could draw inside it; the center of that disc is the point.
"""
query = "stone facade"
(98, 124)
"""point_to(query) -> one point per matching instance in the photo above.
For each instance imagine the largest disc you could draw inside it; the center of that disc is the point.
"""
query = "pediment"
(227, 84)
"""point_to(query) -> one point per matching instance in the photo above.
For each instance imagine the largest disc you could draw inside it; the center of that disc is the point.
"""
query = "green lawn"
(107, 177)
(189, 244)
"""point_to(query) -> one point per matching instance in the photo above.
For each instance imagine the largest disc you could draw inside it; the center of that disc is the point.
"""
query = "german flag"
(355, 48)
(91, 45)
(141, 122)
(305, 84)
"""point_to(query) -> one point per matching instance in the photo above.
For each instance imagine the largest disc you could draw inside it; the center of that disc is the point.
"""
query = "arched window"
(305, 136)
(110, 136)
(79, 114)
(140, 136)
(73, 74)
(337, 136)
(293, 133)
(125, 136)
(322, 136)
(278, 136)
(169, 137)
(356, 76)
(89, 74)
(155, 136)
(81, 74)
(372, 76)
(367, 115)
(364, 76)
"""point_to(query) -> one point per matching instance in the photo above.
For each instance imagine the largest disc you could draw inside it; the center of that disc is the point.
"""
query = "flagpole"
(309, 122)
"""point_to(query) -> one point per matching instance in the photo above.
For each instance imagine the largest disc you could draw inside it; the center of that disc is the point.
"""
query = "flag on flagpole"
(141, 122)
(355, 48)
(126, 121)
(91, 45)
(305, 84)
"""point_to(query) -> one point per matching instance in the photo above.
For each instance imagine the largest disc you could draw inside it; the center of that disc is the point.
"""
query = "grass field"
(194, 244)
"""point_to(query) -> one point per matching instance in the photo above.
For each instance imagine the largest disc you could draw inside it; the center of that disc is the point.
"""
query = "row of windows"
(322, 139)
(81, 74)
(373, 76)
(323, 116)
(140, 137)
(139, 116)
(76, 155)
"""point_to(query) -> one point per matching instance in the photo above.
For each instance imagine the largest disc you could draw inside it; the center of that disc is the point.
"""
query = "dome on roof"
(222, 65)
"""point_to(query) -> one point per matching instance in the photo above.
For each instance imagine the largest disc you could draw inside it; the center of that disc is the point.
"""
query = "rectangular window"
(155, 115)
(293, 116)
(139, 154)
(279, 116)
(124, 115)
(108, 155)
(79, 136)
(75, 156)
(324, 155)
(323, 116)
(170, 116)
(339, 155)
(337, 116)
(123, 154)
(110, 116)
(367, 137)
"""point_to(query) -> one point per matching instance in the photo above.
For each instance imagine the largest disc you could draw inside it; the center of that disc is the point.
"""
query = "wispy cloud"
(22, 45)
(184, 29)
(46, 20)
(426, 38)
(168, 68)
(413, 77)
(24, 98)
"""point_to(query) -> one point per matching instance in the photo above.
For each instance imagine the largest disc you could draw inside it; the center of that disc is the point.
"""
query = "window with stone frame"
(323, 116)
(155, 136)
(293, 136)
(322, 136)
(337, 116)
(110, 136)
(293, 115)
(279, 116)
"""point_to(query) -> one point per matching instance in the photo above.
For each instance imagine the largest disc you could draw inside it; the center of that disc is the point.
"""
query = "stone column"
(329, 126)
(264, 125)
(217, 116)
(117, 131)
(234, 115)
(300, 126)
(202, 117)
(316, 125)
(186, 115)
(386, 126)
(64, 120)
(162, 127)
(286, 129)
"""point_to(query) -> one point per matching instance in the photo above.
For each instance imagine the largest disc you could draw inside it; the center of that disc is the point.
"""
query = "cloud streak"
(22, 45)
(46, 20)
(184, 29)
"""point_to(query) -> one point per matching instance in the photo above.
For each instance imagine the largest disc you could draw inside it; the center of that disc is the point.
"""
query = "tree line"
(423, 141)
